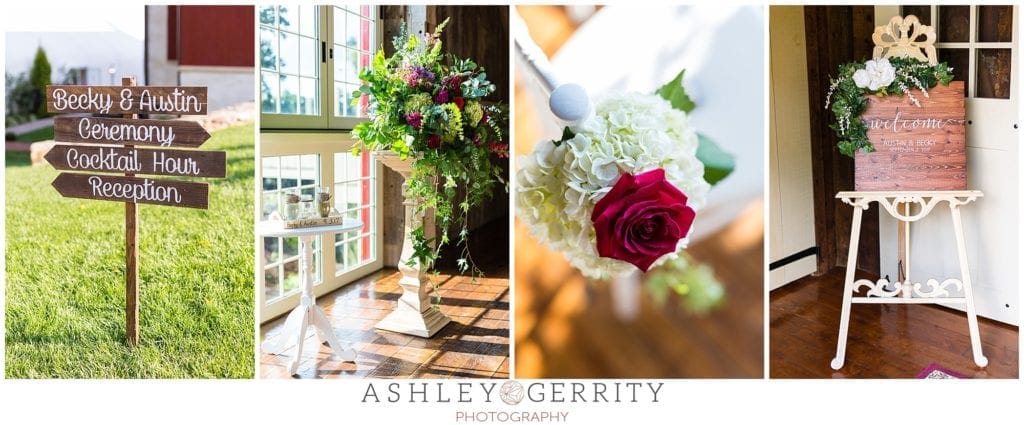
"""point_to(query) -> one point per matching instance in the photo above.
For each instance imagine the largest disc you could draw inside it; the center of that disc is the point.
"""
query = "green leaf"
(718, 164)
(567, 134)
(380, 63)
(675, 93)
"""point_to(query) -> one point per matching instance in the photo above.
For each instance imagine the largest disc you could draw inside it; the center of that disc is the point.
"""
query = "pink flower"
(441, 97)
(434, 141)
(641, 219)
(452, 82)
(414, 119)
(500, 149)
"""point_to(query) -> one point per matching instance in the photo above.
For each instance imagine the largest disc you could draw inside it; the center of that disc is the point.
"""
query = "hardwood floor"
(885, 341)
(565, 326)
(474, 345)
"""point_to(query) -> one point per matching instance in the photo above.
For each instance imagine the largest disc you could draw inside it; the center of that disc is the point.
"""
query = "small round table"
(307, 313)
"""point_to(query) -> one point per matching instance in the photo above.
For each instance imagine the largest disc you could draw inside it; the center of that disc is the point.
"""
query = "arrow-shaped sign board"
(165, 162)
(120, 131)
(126, 100)
(133, 189)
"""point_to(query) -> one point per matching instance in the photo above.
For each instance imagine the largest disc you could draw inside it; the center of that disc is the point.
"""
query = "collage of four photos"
(360, 191)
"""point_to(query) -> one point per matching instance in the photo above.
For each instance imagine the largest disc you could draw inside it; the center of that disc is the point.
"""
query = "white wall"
(162, 72)
(790, 180)
(226, 85)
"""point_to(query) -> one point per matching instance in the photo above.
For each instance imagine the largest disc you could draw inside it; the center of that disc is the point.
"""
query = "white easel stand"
(307, 313)
(907, 292)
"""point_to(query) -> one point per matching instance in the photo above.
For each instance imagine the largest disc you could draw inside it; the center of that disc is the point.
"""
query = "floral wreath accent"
(429, 106)
(620, 191)
(882, 77)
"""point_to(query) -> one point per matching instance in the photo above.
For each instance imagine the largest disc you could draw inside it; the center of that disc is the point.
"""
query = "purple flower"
(414, 119)
(441, 97)
(416, 76)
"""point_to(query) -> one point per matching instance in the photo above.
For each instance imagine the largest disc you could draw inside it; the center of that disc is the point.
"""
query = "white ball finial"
(569, 102)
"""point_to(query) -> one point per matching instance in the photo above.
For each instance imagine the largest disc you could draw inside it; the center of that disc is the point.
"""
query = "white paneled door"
(981, 44)
(790, 182)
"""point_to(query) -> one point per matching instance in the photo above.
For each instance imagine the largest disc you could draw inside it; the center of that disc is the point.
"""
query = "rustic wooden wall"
(836, 35)
(477, 32)
(391, 19)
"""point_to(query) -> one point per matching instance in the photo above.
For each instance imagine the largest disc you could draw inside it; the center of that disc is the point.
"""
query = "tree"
(40, 78)
(21, 99)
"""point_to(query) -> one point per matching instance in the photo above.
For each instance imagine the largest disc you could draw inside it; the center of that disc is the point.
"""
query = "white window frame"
(326, 119)
(326, 145)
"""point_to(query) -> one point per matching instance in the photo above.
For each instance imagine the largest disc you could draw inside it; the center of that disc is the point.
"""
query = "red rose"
(434, 141)
(460, 102)
(641, 219)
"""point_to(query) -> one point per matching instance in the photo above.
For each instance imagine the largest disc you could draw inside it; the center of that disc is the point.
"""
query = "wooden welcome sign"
(916, 148)
(90, 150)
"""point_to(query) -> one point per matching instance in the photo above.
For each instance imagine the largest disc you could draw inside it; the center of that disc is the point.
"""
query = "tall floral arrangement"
(885, 76)
(429, 107)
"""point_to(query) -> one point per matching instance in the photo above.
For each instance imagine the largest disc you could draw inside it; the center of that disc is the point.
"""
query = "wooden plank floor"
(885, 341)
(474, 345)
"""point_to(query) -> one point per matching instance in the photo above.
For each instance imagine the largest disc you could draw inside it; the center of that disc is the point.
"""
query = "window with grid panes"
(355, 194)
(310, 58)
(281, 276)
(976, 41)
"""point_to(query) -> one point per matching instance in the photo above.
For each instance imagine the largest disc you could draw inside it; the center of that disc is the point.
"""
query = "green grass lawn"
(65, 279)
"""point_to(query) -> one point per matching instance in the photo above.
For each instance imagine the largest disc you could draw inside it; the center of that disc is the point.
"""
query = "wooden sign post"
(91, 151)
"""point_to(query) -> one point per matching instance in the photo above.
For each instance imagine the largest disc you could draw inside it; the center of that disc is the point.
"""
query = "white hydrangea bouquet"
(619, 193)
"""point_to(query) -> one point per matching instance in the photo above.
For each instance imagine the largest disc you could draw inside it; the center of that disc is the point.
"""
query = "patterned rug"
(934, 371)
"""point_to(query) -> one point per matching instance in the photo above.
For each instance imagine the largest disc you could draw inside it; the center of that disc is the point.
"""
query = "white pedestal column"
(414, 314)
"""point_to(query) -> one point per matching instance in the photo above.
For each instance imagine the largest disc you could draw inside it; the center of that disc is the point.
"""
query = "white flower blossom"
(558, 186)
(877, 73)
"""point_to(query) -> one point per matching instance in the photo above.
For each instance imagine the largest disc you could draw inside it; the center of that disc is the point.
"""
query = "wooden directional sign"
(165, 162)
(133, 189)
(126, 100)
(165, 133)
(88, 132)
